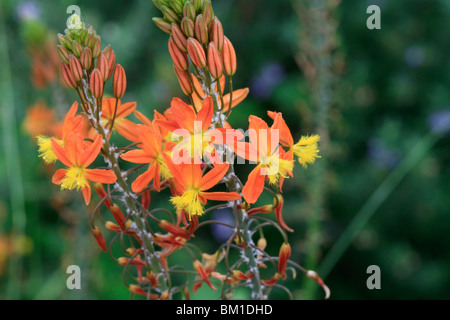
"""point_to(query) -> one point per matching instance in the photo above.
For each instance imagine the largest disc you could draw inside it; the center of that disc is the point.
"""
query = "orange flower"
(191, 186)
(272, 161)
(123, 126)
(151, 152)
(39, 120)
(77, 156)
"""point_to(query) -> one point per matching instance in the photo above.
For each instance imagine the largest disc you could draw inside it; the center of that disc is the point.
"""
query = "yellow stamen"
(189, 201)
(164, 171)
(75, 178)
(307, 150)
(45, 149)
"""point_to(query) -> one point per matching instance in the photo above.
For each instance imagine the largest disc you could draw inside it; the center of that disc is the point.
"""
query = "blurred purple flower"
(270, 75)
(28, 10)
(382, 156)
(439, 121)
(222, 233)
(414, 56)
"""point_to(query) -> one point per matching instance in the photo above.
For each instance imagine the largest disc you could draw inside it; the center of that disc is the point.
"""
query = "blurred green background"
(378, 196)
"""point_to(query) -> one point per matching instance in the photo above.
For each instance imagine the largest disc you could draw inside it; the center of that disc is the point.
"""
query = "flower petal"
(144, 179)
(91, 152)
(86, 194)
(59, 176)
(60, 153)
(214, 176)
(221, 196)
(254, 185)
(101, 175)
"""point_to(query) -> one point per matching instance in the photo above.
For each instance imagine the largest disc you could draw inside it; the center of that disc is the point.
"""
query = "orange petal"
(124, 110)
(59, 176)
(144, 179)
(101, 175)
(86, 194)
(254, 185)
(238, 96)
(183, 114)
(143, 118)
(206, 113)
(108, 105)
(221, 196)
(214, 176)
(137, 156)
(127, 129)
(286, 139)
(92, 151)
(60, 153)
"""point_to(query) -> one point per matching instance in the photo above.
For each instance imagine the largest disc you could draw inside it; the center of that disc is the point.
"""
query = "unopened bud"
(214, 61)
(199, 4)
(174, 229)
(183, 79)
(145, 199)
(75, 67)
(262, 243)
(100, 189)
(177, 6)
(64, 42)
(111, 58)
(103, 67)
(179, 58)
(100, 240)
(285, 253)
(63, 54)
(178, 37)
(188, 28)
(196, 53)
(86, 58)
(97, 47)
(208, 13)
(189, 10)
(163, 24)
(169, 14)
(264, 209)
(76, 48)
(229, 57)
(119, 82)
(201, 29)
(67, 76)
(216, 34)
(118, 215)
(96, 83)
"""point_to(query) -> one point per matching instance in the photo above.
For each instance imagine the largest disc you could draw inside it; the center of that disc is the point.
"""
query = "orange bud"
(103, 67)
(229, 57)
(86, 58)
(264, 209)
(111, 226)
(111, 58)
(67, 76)
(285, 253)
(178, 37)
(173, 229)
(179, 58)
(98, 187)
(138, 290)
(214, 61)
(187, 25)
(135, 262)
(145, 199)
(201, 30)
(216, 34)
(196, 53)
(279, 213)
(75, 67)
(118, 215)
(183, 80)
(201, 271)
(63, 54)
(119, 82)
(98, 236)
(187, 294)
(96, 83)
(96, 47)
(169, 14)
(76, 48)
(199, 4)
(208, 13)
(162, 24)
(262, 243)
(189, 10)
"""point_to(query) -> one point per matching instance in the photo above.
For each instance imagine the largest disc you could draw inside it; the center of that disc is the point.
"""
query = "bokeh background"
(380, 99)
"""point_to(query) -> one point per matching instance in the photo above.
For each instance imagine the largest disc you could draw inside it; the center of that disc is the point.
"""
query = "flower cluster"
(190, 150)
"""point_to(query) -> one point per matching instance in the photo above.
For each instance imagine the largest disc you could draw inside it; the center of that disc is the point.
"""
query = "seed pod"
(179, 58)
(75, 67)
(97, 47)
(201, 30)
(229, 57)
(63, 54)
(102, 66)
(208, 12)
(96, 83)
(196, 53)
(189, 10)
(214, 61)
(163, 24)
(119, 82)
(187, 26)
(67, 76)
(178, 37)
(216, 33)
(76, 48)
(86, 58)
(169, 14)
(183, 79)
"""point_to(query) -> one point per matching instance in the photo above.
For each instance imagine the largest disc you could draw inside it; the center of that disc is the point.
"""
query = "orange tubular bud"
(183, 79)
(96, 47)
(189, 10)
(75, 67)
(145, 199)
(201, 29)
(86, 58)
(111, 226)
(262, 243)
(103, 67)
(98, 236)
(179, 58)
(285, 253)
(196, 53)
(98, 187)
(138, 290)
(175, 230)
(162, 24)
(123, 261)
(229, 57)
(208, 13)
(110, 56)
(214, 61)
(118, 215)
(67, 76)
(264, 209)
(216, 34)
(279, 213)
(63, 54)
(188, 28)
(178, 37)
(119, 82)
(96, 83)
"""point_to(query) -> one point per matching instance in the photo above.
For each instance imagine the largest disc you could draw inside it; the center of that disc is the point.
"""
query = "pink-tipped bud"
(75, 67)
(63, 54)
(100, 240)
(229, 57)
(183, 79)
(214, 61)
(179, 58)
(178, 37)
(119, 82)
(201, 29)
(96, 83)
(86, 58)
(163, 25)
(216, 34)
(67, 76)
(188, 28)
(103, 67)
(285, 253)
(196, 53)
